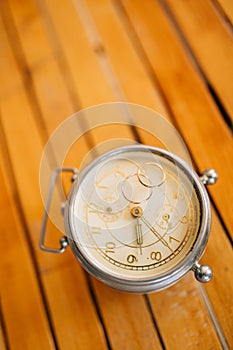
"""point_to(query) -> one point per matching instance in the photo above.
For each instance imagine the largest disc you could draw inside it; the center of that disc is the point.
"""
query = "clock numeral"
(131, 258)
(92, 208)
(96, 230)
(156, 256)
(171, 238)
(100, 186)
(110, 246)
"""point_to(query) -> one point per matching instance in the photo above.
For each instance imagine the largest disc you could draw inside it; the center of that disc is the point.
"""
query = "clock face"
(135, 214)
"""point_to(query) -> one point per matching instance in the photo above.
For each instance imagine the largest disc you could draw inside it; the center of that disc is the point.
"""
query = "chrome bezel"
(145, 285)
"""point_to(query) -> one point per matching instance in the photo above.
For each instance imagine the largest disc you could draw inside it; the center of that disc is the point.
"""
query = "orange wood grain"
(88, 57)
(131, 335)
(127, 66)
(2, 338)
(197, 117)
(73, 309)
(218, 255)
(28, 150)
(171, 306)
(79, 55)
(227, 7)
(25, 16)
(214, 47)
(23, 152)
(22, 304)
(101, 298)
(70, 317)
(8, 85)
(124, 330)
(168, 71)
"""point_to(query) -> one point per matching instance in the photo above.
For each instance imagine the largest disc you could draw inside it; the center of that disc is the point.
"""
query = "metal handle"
(63, 240)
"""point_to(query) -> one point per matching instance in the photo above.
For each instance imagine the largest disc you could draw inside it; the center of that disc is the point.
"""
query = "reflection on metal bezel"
(145, 285)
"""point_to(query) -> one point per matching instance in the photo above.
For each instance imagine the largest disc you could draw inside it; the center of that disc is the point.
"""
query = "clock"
(137, 218)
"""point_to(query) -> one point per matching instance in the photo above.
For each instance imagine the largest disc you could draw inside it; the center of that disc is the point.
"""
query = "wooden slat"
(26, 18)
(2, 338)
(171, 306)
(18, 277)
(214, 47)
(8, 85)
(196, 115)
(16, 263)
(124, 330)
(220, 292)
(151, 21)
(127, 67)
(78, 56)
(227, 7)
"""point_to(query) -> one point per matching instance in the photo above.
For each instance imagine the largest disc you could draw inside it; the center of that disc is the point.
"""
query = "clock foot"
(209, 177)
(203, 273)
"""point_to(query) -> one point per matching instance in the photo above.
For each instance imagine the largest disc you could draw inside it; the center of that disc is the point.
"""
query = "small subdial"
(151, 174)
(109, 215)
(105, 211)
(134, 191)
(170, 218)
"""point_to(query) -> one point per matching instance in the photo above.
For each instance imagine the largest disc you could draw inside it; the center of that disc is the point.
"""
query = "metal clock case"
(137, 218)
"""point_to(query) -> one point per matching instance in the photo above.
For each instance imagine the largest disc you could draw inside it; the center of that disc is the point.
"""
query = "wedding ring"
(146, 180)
(134, 191)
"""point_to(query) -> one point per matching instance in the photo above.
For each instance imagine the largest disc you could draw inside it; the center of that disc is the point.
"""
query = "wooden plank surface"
(119, 52)
(21, 296)
(213, 49)
(3, 341)
(227, 8)
(198, 119)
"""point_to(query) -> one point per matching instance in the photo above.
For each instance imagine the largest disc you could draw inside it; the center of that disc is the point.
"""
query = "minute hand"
(155, 232)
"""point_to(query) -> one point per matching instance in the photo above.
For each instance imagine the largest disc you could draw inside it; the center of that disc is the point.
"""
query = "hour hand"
(138, 231)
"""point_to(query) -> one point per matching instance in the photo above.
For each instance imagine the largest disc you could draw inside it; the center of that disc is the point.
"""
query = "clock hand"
(137, 212)
(155, 233)
(139, 232)
(139, 235)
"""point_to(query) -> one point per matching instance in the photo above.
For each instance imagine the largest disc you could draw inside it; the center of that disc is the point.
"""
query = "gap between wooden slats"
(226, 6)
(215, 40)
(4, 344)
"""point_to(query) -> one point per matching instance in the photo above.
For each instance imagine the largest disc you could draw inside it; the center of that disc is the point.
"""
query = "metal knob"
(203, 273)
(209, 177)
